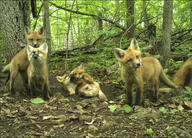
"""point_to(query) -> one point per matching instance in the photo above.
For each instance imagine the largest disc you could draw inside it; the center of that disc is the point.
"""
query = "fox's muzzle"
(35, 55)
(35, 45)
(72, 77)
(138, 65)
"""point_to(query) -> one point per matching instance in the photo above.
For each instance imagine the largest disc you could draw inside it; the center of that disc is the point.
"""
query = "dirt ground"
(75, 116)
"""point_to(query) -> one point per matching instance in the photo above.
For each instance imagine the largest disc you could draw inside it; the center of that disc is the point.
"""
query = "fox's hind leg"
(129, 94)
(13, 75)
(156, 87)
(25, 81)
(139, 94)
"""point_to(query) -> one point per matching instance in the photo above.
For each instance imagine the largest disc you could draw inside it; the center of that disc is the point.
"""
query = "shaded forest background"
(87, 31)
(76, 28)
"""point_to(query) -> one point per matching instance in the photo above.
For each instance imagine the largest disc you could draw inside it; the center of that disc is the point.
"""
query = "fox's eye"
(137, 56)
(31, 39)
(129, 60)
(38, 39)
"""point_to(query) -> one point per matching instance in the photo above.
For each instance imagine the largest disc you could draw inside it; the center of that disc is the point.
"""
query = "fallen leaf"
(188, 104)
(172, 106)
(180, 108)
(37, 100)
(49, 117)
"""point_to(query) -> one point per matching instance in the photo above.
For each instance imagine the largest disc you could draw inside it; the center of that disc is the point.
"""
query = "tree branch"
(92, 15)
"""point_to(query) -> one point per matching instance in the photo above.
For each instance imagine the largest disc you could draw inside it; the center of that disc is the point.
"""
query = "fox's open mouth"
(35, 57)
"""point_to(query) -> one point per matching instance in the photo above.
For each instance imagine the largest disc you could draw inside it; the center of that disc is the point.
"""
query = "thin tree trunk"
(100, 28)
(87, 29)
(26, 12)
(46, 24)
(167, 24)
(12, 26)
(190, 13)
(130, 18)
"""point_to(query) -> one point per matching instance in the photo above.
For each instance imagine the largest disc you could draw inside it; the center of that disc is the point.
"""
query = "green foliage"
(149, 131)
(163, 110)
(151, 121)
(37, 100)
(172, 65)
(174, 111)
(112, 108)
(127, 108)
(188, 94)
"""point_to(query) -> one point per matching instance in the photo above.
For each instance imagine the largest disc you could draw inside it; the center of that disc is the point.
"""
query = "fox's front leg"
(32, 90)
(45, 92)
(129, 94)
(139, 93)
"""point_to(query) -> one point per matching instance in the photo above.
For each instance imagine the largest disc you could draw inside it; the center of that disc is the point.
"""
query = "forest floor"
(75, 116)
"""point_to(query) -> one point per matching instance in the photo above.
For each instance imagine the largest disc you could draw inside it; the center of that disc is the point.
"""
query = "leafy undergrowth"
(76, 116)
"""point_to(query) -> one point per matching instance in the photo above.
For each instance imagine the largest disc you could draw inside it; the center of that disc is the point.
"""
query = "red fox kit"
(82, 82)
(183, 77)
(19, 62)
(37, 70)
(135, 70)
(68, 85)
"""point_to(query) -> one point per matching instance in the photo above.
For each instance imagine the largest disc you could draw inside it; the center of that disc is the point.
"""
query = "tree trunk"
(87, 29)
(46, 24)
(12, 26)
(130, 19)
(167, 23)
(190, 13)
(100, 28)
(26, 12)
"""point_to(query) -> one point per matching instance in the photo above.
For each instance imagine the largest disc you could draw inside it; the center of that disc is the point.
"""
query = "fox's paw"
(71, 93)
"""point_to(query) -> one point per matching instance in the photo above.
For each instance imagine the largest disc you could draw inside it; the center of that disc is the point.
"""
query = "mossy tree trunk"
(167, 24)
(46, 24)
(13, 18)
(130, 19)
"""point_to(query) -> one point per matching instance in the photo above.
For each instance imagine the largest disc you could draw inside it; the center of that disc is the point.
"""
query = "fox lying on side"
(37, 71)
(135, 70)
(82, 82)
(183, 77)
(20, 62)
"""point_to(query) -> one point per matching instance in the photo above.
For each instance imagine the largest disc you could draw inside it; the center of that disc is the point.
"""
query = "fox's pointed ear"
(119, 53)
(44, 47)
(59, 78)
(82, 66)
(29, 48)
(27, 30)
(40, 30)
(134, 44)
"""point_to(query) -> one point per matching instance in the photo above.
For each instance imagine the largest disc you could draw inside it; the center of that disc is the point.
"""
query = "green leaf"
(37, 100)
(112, 108)
(127, 108)
(149, 131)
(174, 111)
(188, 88)
(152, 122)
(163, 110)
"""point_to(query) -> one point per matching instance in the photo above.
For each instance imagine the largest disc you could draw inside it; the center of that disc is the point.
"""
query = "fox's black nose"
(35, 45)
(138, 65)
(72, 77)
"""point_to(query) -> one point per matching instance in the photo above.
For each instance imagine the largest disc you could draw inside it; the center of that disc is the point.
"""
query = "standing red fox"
(82, 82)
(20, 62)
(37, 70)
(135, 70)
(183, 77)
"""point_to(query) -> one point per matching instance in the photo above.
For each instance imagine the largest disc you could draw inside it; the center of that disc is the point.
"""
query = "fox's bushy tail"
(102, 96)
(6, 69)
(166, 80)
